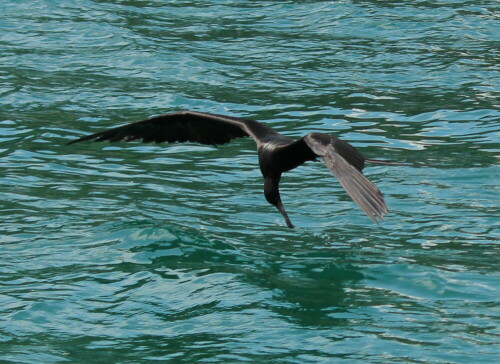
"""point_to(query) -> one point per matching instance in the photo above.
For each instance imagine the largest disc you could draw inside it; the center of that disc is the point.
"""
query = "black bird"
(277, 153)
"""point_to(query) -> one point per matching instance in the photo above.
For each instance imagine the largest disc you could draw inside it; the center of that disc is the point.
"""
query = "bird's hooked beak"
(283, 212)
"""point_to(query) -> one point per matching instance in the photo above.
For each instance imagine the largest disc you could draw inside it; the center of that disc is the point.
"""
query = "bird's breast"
(274, 159)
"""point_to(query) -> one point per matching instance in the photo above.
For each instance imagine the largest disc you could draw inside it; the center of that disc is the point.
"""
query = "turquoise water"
(129, 253)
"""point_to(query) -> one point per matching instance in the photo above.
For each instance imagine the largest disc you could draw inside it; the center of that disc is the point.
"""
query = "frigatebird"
(277, 153)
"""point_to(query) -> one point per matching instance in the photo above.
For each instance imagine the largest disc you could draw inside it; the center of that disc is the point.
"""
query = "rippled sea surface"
(130, 252)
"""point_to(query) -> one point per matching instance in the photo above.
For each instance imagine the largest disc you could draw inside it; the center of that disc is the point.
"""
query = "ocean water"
(136, 253)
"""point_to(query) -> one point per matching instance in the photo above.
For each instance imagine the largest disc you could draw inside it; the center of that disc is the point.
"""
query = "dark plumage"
(277, 153)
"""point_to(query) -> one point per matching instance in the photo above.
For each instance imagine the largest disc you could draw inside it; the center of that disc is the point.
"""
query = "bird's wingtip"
(75, 141)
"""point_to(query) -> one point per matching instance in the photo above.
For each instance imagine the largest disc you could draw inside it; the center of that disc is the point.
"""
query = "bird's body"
(277, 153)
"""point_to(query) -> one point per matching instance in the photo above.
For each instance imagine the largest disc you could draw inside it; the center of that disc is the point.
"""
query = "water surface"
(133, 253)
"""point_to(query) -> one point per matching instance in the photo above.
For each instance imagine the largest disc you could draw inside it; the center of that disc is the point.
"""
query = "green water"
(131, 253)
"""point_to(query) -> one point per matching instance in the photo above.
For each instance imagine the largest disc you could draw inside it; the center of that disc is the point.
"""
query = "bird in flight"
(277, 153)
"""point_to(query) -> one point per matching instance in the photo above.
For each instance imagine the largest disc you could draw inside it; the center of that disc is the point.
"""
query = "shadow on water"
(308, 292)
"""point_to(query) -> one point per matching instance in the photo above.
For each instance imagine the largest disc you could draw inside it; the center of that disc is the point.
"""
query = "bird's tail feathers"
(389, 163)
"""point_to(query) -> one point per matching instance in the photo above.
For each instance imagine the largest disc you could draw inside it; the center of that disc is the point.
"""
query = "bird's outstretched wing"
(346, 164)
(184, 126)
